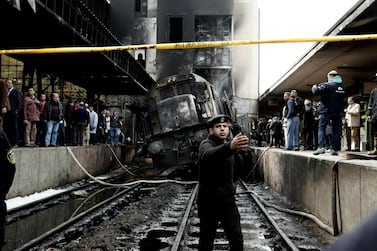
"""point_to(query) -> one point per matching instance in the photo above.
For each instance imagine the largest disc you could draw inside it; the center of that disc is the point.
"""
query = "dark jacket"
(332, 96)
(372, 105)
(81, 115)
(7, 168)
(309, 118)
(15, 99)
(216, 161)
(291, 108)
(47, 113)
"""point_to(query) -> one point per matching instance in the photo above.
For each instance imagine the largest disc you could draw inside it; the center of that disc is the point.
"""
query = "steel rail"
(286, 239)
(183, 224)
(85, 184)
(73, 220)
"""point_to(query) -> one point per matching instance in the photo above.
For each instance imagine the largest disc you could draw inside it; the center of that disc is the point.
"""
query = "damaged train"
(178, 108)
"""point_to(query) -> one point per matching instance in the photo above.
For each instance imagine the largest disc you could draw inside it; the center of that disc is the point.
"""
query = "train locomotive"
(178, 109)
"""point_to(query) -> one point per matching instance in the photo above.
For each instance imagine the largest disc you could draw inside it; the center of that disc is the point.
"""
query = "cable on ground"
(129, 183)
(124, 167)
(295, 212)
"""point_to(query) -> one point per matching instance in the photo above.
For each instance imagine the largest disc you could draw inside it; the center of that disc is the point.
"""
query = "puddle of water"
(153, 241)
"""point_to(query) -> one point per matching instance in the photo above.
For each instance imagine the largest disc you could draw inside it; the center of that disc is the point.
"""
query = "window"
(176, 29)
(11, 68)
(137, 5)
(213, 28)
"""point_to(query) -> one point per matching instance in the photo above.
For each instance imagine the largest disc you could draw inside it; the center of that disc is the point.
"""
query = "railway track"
(173, 226)
(46, 215)
(178, 227)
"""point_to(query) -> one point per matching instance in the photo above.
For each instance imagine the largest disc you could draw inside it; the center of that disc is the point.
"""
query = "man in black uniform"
(372, 118)
(7, 170)
(216, 200)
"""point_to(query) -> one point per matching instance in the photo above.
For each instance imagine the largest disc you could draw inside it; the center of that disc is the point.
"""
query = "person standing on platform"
(101, 127)
(308, 122)
(114, 128)
(81, 120)
(216, 196)
(286, 97)
(12, 116)
(41, 124)
(4, 102)
(353, 125)
(315, 124)
(276, 130)
(68, 117)
(93, 125)
(372, 118)
(293, 123)
(86, 138)
(7, 171)
(53, 114)
(30, 117)
(331, 108)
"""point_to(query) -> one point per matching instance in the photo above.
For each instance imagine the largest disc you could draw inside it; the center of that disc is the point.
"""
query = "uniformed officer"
(7, 170)
(216, 200)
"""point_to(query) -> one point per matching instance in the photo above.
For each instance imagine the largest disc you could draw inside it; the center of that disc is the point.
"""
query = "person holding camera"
(216, 196)
(330, 110)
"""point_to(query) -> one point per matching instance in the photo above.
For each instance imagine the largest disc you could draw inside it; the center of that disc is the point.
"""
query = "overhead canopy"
(105, 73)
(355, 61)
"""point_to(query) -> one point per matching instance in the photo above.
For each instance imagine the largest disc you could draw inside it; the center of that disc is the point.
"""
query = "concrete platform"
(308, 180)
(41, 168)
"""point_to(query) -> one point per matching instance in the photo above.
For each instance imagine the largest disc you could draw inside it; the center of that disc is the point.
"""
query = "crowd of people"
(30, 121)
(315, 124)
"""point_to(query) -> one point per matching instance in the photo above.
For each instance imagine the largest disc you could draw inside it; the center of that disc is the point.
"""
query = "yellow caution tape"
(188, 45)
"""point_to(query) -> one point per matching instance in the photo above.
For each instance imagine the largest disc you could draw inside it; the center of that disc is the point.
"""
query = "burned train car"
(178, 109)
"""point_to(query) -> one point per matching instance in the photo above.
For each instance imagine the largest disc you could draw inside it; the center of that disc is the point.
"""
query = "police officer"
(216, 200)
(7, 170)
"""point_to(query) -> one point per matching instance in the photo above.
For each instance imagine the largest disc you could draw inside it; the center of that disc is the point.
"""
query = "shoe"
(333, 152)
(373, 152)
(319, 151)
(355, 150)
(296, 149)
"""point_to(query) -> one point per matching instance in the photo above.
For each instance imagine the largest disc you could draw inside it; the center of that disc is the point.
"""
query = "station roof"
(355, 61)
(102, 73)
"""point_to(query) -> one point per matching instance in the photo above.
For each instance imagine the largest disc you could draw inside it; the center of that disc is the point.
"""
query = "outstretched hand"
(239, 141)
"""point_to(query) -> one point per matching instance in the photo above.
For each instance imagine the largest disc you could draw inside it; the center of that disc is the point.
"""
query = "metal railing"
(81, 20)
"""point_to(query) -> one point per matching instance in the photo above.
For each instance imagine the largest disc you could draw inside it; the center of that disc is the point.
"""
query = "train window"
(166, 92)
(184, 88)
(176, 29)
(177, 112)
